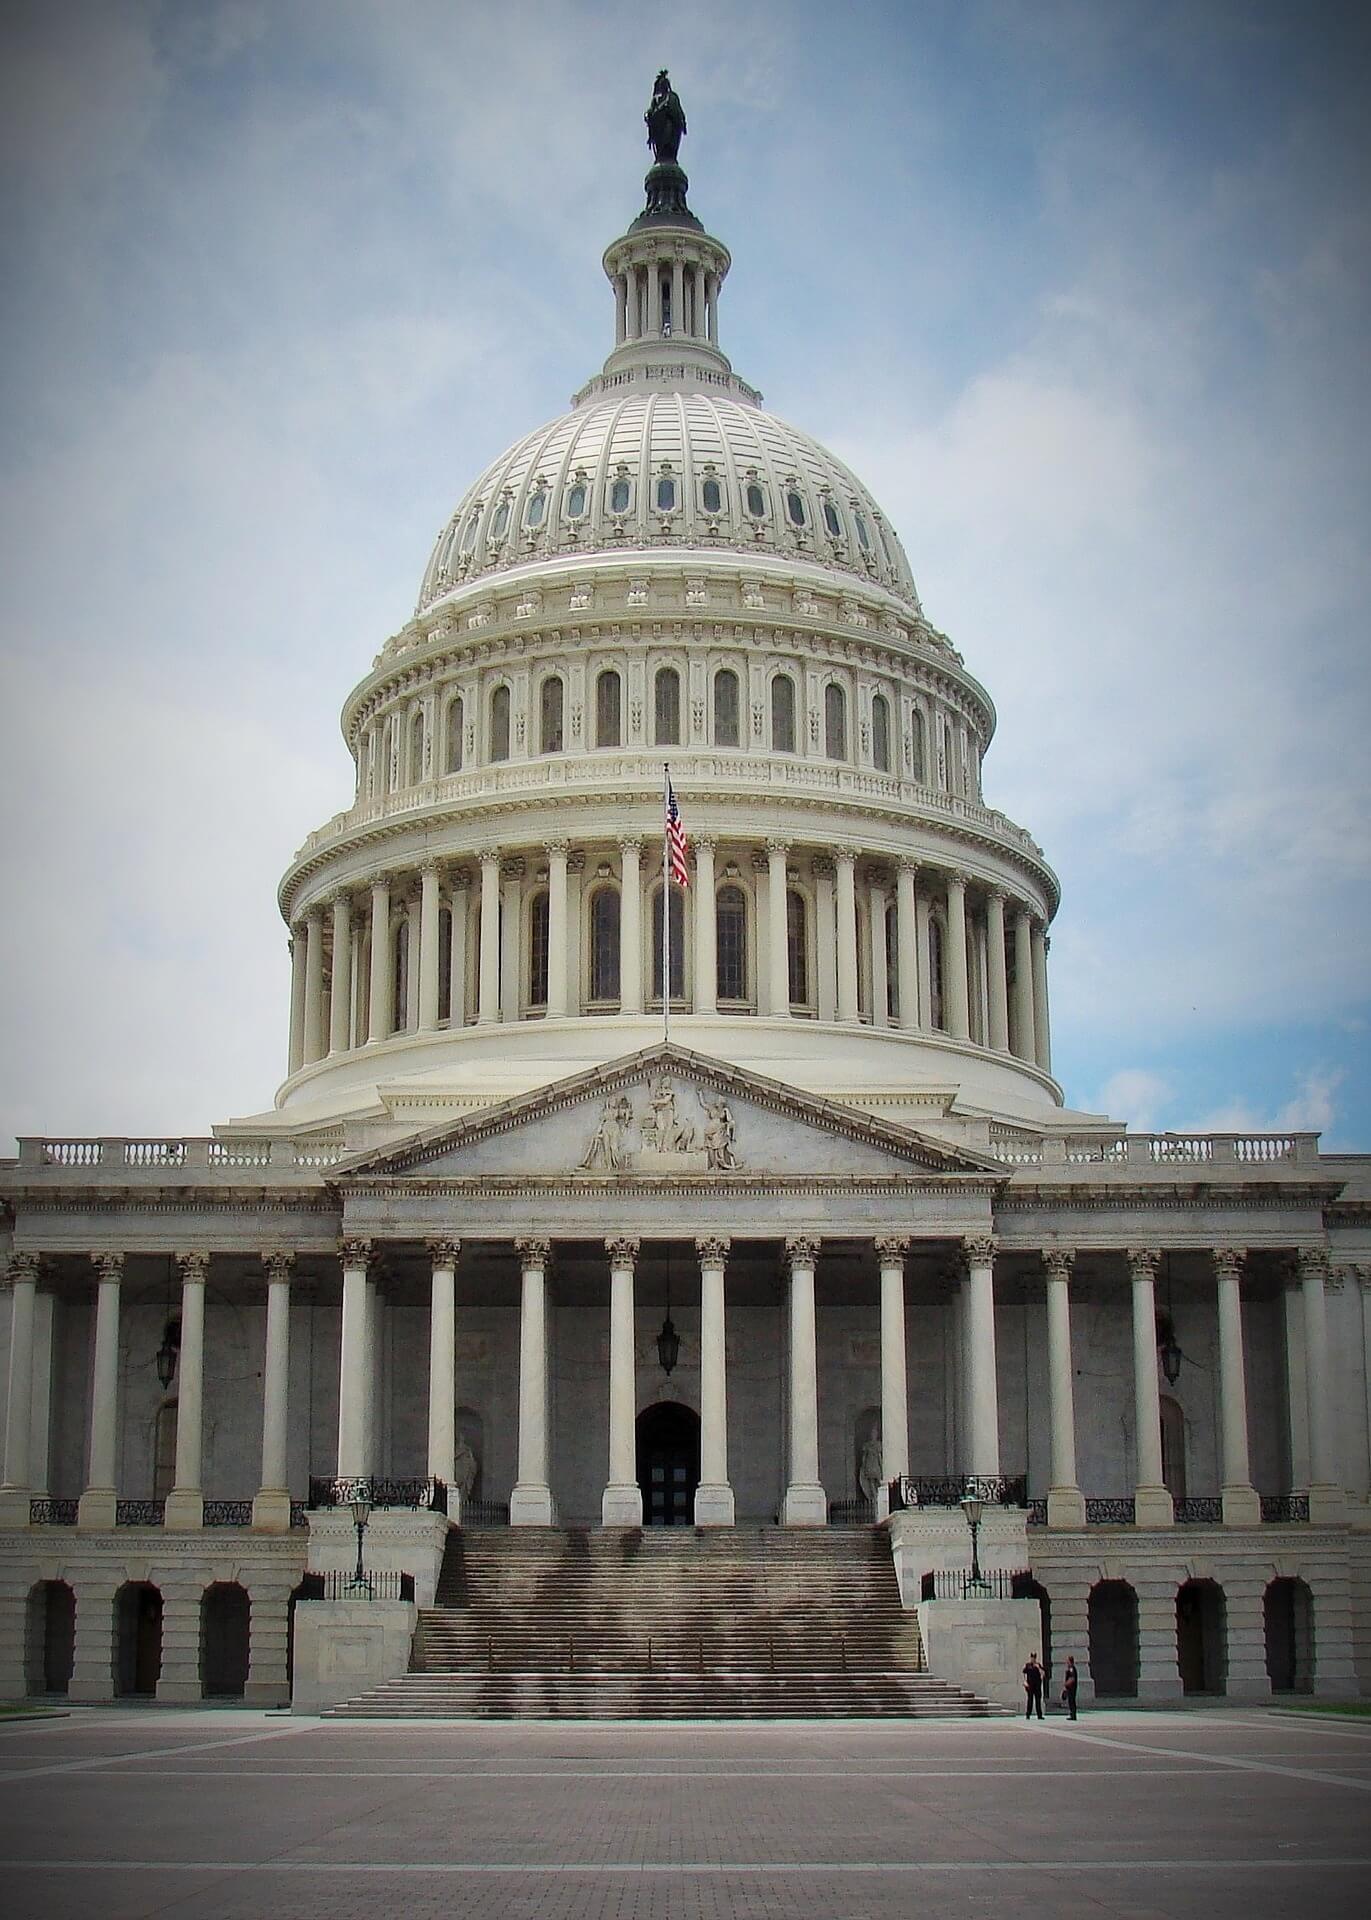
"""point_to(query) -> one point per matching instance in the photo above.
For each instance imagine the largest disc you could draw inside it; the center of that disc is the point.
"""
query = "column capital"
(845, 856)
(488, 856)
(631, 843)
(891, 1248)
(704, 843)
(194, 1267)
(356, 1252)
(980, 1249)
(534, 1253)
(1143, 1262)
(443, 1250)
(1229, 1262)
(21, 1267)
(956, 878)
(1058, 1262)
(431, 868)
(279, 1263)
(313, 915)
(1311, 1263)
(109, 1266)
(712, 1249)
(906, 865)
(555, 848)
(622, 1249)
(777, 845)
(802, 1250)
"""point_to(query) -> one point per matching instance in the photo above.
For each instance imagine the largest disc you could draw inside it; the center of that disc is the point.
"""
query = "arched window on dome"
(666, 707)
(608, 709)
(678, 948)
(918, 747)
(831, 520)
(499, 724)
(416, 748)
(538, 950)
(935, 974)
(880, 733)
(835, 722)
(500, 523)
(730, 945)
(782, 714)
(892, 963)
(726, 708)
(797, 946)
(863, 533)
(712, 496)
(754, 499)
(604, 947)
(795, 507)
(550, 701)
(666, 493)
(535, 508)
(576, 501)
(620, 495)
(454, 734)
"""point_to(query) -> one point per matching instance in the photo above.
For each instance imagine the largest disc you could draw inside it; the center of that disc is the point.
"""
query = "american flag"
(675, 839)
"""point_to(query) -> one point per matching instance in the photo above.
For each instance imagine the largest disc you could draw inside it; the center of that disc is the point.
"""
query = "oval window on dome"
(756, 500)
(831, 520)
(618, 497)
(536, 508)
(576, 502)
(666, 495)
(795, 508)
(712, 495)
(500, 522)
(864, 538)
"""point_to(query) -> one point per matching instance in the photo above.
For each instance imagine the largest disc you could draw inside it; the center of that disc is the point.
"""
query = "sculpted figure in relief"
(605, 1153)
(662, 1129)
(869, 1471)
(720, 1134)
(464, 1467)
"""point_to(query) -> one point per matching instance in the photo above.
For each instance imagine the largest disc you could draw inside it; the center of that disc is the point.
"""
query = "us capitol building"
(518, 1246)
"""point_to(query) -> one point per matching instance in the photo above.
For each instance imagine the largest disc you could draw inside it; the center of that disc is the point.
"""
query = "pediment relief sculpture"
(667, 1141)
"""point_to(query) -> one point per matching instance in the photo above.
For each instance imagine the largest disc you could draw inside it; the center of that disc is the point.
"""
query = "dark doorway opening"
(1025, 1587)
(1289, 1609)
(50, 1638)
(1202, 1637)
(668, 1463)
(225, 1614)
(137, 1638)
(1112, 1622)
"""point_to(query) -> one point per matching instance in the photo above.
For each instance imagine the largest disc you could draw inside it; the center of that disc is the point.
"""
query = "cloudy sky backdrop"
(1080, 287)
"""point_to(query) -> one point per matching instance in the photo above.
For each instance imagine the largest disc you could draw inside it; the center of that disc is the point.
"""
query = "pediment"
(666, 1114)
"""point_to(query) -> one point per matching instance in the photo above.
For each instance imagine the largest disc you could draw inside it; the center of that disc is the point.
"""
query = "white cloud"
(1136, 1095)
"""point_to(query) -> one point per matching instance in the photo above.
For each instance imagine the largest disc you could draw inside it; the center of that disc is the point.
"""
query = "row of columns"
(694, 301)
(1015, 1019)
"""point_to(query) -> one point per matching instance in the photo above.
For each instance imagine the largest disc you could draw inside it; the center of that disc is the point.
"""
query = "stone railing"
(117, 1154)
(1155, 1151)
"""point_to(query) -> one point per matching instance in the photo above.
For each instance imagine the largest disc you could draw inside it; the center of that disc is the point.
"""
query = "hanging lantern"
(167, 1353)
(668, 1345)
(1169, 1350)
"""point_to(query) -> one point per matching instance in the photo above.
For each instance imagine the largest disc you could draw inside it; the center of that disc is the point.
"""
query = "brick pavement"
(209, 1815)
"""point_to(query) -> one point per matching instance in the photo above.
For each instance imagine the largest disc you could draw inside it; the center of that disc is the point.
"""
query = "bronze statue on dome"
(665, 120)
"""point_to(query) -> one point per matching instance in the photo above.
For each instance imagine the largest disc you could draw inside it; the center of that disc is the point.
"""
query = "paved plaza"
(216, 1814)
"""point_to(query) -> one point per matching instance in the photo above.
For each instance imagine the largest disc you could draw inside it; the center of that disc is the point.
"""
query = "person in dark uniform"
(1070, 1681)
(1033, 1688)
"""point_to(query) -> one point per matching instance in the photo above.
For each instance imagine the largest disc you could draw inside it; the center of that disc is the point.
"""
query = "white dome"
(674, 470)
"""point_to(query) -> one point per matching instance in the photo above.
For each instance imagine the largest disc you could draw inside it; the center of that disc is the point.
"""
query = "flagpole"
(666, 908)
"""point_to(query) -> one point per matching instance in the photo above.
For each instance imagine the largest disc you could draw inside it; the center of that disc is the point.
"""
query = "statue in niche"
(720, 1134)
(605, 1153)
(665, 120)
(465, 1467)
(869, 1469)
(663, 1131)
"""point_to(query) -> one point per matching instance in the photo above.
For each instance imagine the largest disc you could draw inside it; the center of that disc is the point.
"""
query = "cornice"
(586, 1186)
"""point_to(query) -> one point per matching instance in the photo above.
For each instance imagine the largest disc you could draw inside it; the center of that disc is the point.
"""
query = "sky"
(1079, 287)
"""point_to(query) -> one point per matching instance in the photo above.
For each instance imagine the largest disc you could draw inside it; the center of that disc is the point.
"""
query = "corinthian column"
(906, 952)
(271, 1508)
(340, 1001)
(430, 901)
(314, 984)
(185, 1509)
(1022, 1035)
(488, 974)
(1241, 1504)
(997, 979)
(714, 1505)
(891, 1251)
(1152, 1504)
(778, 944)
(706, 955)
(530, 1504)
(557, 851)
(1065, 1501)
(442, 1368)
(97, 1502)
(956, 998)
(622, 1505)
(1326, 1500)
(354, 1384)
(631, 928)
(982, 1383)
(805, 1501)
(847, 933)
(382, 990)
(21, 1278)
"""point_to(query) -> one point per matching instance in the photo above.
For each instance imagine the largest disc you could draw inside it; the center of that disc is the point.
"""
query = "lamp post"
(971, 1508)
(361, 1513)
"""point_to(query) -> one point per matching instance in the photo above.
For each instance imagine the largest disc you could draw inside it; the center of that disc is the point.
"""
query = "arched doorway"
(1202, 1637)
(50, 1637)
(668, 1463)
(137, 1638)
(1288, 1606)
(1025, 1587)
(1112, 1625)
(225, 1614)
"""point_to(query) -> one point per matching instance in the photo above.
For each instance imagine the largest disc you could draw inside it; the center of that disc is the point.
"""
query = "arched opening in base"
(1288, 1606)
(225, 1615)
(137, 1638)
(1112, 1624)
(668, 1463)
(50, 1637)
(1202, 1637)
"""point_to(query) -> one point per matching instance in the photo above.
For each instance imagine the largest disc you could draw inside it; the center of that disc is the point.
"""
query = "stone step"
(714, 1696)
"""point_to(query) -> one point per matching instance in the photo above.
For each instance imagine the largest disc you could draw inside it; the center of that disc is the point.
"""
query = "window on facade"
(863, 537)
(726, 708)
(892, 961)
(454, 735)
(576, 502)
(537, 950)
(499, 724)
(666, 494)
(880, 732)
(500, 522)
(795, 508)
(756, 500)
(918, 749)
(831, 520)
(604, 945)
(666, 707)
(536, 508)
(797, 947)
(416, 748)
(550, 702)
(619, 497)
(608, 723)
(835, 721)
(783, 714)
(711, 494)
(935, 974)
(730, 933)
(677, 945)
